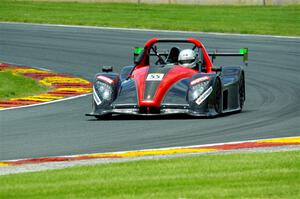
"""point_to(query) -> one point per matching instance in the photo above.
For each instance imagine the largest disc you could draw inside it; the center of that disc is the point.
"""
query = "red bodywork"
(175, 74)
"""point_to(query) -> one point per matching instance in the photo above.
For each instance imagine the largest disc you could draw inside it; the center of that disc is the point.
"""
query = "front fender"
(114, 77)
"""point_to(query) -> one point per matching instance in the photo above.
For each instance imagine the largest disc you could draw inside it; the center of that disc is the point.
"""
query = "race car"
(171, 76)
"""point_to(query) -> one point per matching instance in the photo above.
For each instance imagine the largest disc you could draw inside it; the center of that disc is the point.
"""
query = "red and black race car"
(171, 76)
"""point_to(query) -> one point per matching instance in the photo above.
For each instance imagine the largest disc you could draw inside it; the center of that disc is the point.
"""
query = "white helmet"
(187, 58)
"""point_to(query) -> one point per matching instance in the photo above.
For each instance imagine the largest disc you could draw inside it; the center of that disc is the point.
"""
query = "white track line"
(154, 30)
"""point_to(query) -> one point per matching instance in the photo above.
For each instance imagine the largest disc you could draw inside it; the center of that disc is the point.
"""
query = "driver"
(187, 58)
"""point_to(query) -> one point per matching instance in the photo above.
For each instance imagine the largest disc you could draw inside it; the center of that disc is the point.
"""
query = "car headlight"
(197, 89)
(104, 90)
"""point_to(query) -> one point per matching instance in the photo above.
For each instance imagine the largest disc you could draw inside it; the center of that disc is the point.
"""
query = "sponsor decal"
(96, 98)
(155, 77)
(105, 79)
(198, 80)
(204, 96)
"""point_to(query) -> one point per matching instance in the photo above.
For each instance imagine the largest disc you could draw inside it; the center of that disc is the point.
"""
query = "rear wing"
(242, 53)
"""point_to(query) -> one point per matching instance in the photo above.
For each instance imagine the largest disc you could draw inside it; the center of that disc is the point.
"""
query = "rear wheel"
(242, 93)
(218, 97)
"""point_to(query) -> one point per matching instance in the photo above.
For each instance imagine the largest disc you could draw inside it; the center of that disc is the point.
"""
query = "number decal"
(155, 77)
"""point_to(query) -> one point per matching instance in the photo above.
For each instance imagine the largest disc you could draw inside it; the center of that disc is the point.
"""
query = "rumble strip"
(61, 86)
(200, 149)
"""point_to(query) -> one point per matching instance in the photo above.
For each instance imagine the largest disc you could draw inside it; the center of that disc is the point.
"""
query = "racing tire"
(242, 92)
(218, 97)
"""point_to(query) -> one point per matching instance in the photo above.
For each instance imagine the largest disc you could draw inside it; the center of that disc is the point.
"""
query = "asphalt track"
(271, 110)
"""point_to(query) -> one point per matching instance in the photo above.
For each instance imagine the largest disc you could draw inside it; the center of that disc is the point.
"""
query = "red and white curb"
(61, 87)
(197, 149)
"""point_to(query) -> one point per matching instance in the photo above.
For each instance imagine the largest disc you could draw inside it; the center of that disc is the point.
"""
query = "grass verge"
(257, 175)
(276, 20)
(12, 86)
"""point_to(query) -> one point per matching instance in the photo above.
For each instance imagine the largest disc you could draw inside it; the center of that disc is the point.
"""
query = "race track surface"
(271, 110)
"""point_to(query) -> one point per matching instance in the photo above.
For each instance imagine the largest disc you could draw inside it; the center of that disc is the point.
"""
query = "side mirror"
(107, 69)
(137, 51)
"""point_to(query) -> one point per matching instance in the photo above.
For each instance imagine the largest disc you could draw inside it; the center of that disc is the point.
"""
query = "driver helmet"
(187, 58)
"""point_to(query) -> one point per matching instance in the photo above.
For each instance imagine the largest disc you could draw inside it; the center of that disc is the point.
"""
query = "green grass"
(276, 20)
(18, 86)
(260, 175)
